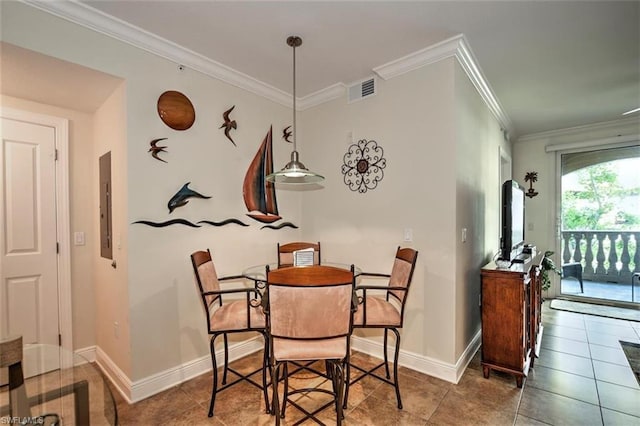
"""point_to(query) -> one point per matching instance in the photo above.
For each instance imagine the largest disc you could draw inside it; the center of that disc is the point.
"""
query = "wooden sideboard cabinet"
(511, 317)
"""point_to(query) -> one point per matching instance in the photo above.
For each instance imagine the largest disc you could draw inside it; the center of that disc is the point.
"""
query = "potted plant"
(547, 266)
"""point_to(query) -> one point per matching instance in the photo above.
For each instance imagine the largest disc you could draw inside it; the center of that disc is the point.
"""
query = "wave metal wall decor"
(363, 166)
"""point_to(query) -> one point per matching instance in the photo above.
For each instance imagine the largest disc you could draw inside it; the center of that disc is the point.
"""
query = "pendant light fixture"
(294, 171)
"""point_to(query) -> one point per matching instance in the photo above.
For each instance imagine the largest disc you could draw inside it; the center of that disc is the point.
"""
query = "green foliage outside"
(596, 205)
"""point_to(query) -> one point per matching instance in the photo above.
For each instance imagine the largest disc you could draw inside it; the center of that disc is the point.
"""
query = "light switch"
(78, 238)
(464, 235)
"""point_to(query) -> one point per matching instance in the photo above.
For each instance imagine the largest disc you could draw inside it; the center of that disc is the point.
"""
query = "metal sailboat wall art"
(259, 194)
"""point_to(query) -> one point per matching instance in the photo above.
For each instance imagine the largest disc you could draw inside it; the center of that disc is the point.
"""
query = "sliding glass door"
(600, 224)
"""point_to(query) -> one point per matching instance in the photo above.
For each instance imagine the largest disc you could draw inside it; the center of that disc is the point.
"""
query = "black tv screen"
(512, 238)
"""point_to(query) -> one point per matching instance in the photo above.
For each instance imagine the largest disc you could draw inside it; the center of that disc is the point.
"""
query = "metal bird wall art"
(155, 149)
(182, 197)
(228, 124)
(286, 134)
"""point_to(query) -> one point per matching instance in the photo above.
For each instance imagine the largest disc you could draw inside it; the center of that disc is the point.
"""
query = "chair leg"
(226, 360)
(395, 366)
(384, 350)
(275, 409)
(215, 375)
(580, 279)
(338, 373)
(285, 393)
(332, 373)
(347, 383)
(265, 367)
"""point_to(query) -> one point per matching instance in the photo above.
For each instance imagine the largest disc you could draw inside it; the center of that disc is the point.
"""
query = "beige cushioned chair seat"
(379, 312)
(233, 316)
(296, 350)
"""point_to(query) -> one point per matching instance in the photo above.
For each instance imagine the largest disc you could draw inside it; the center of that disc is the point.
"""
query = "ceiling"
(48, 80)
(551, 65)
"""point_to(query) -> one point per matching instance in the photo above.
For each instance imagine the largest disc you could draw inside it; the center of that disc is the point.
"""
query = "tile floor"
(581, 378)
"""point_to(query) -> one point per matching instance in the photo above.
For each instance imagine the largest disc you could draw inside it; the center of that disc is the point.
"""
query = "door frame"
(61, 131)
(556, 231)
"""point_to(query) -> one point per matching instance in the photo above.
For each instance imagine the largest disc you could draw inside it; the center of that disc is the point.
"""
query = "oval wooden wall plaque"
(176, 110)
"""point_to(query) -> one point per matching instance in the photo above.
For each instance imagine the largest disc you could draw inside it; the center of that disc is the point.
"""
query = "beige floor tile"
(563, 364)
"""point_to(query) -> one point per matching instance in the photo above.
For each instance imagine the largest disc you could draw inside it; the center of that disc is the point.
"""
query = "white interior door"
(29, 276)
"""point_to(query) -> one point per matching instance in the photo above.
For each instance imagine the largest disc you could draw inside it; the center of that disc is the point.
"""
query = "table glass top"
(65, 385)
(259, 272)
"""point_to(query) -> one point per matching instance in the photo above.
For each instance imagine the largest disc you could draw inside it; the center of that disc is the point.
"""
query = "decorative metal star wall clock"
(363, 166)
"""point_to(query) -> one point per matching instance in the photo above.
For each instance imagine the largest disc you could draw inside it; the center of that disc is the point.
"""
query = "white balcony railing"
(608, 256)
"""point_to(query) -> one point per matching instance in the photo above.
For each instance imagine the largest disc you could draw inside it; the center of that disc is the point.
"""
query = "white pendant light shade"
(294, 171)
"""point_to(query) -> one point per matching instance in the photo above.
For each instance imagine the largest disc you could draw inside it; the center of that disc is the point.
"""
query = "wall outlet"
(408, 234)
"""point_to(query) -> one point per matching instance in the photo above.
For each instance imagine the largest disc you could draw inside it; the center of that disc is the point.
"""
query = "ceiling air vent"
(362, 89)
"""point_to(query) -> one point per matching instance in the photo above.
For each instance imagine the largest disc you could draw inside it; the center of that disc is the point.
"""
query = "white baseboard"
(468, 354)
(151, 385)
(136, 391)
(140, 389)
(424, 364)
(88, 353)
(118, 378)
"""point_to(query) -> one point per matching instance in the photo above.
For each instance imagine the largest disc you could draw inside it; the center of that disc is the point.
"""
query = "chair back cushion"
(402, 272)
(285, 252)
(206, 276)
(309, 311)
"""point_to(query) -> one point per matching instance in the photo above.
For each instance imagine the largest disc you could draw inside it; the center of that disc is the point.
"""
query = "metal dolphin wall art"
(182, 197)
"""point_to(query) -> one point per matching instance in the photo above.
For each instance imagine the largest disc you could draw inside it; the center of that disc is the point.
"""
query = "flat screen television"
(512, 237)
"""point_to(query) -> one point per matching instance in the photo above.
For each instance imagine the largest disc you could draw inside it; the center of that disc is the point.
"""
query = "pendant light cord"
(294, 99)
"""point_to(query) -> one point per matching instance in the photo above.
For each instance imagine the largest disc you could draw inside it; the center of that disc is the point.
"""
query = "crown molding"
(457, 46)
(469, 63)
(412, 61)
(633, 123)
(327, 94)
(86, 16)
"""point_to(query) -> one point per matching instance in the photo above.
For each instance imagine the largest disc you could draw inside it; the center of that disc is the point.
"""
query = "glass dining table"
(258, 273)
(63, 388)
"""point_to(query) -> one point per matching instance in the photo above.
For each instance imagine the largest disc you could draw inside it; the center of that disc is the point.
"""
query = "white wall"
(441, 146)
(111, 284)
(411, 117)
(478, 143)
